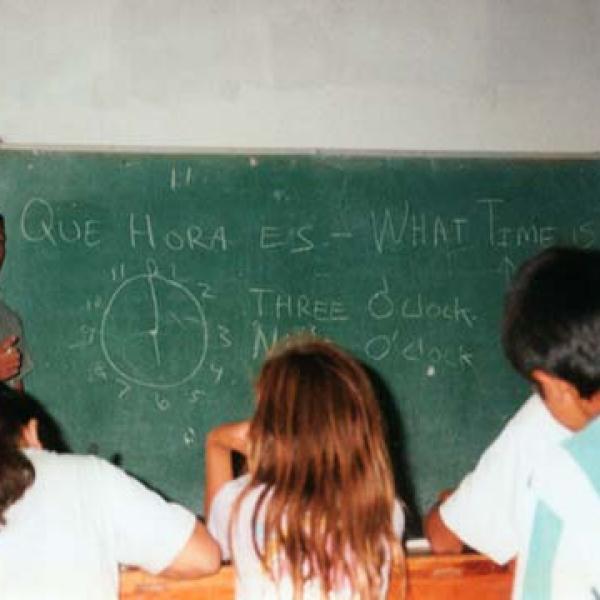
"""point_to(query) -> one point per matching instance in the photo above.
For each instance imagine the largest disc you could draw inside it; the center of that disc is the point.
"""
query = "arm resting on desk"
(199, 557)
(442, 539)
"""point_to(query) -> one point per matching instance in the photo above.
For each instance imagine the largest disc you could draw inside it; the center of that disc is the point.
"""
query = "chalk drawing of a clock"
(153, 331)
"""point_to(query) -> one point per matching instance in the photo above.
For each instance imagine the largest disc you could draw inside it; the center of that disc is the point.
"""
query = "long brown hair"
(16, 471)
(317, 446)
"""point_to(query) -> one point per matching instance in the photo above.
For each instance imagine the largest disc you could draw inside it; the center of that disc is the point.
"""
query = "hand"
(10, 358)
(444, 495)
(230, 436)
(442, 539)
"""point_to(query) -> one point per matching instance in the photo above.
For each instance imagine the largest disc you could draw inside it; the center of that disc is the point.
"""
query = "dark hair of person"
(552, 317)
(16, 471)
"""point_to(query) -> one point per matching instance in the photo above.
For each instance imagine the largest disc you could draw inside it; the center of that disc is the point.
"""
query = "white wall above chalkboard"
(359, 74)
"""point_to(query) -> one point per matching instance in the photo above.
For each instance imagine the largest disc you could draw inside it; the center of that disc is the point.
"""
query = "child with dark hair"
(315, 517)
(67, 522)
(533, 495)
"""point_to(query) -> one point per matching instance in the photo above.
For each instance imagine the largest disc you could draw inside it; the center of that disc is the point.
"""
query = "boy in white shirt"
(67, 522)
(551, 335)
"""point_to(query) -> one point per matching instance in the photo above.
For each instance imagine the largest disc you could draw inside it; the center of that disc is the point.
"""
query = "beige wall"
(451, 75)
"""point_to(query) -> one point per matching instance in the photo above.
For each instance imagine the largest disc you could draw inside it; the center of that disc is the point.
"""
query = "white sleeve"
(220, 515)
(147, 531)
(398, 519)
(481, 512)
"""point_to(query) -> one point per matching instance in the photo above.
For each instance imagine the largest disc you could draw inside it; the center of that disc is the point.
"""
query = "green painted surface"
(150, 285)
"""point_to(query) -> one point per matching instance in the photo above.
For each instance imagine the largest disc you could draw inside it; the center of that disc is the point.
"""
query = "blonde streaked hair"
(317, 446)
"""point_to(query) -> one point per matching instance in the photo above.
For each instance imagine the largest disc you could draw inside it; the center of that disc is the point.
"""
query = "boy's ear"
(554, 388)
(29, 435)
(565, 402)
(594, 404)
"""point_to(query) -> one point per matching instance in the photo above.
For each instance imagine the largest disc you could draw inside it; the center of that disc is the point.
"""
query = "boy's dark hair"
(16, 471)
(552, 317)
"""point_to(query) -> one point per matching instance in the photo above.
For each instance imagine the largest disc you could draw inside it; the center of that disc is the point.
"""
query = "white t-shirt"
(251, 579)
(492, 509)
(81, 518)
(562, 558)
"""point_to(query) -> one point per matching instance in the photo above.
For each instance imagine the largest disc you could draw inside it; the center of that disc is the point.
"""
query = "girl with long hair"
(315, 515)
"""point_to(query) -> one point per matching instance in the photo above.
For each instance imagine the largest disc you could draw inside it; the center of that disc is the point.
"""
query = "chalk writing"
(190, 437)
(206, 290)
(266, 337)
(507, 268)
(99, 370)
(416, 229)
(142, 231)
(503, 236)
(381, 305)
(295, 239)
(118, 272)
(217, 371)
(167, 316)
(125, 388)
(196, 395)
(162, 402)
(269, 302)
(451, 356)
(94, 303)
(181, 177)
(380, 346)
(584, 234)
(38, 224)
(225, 336)
(87, 334)
(262, 342)
(418, 349)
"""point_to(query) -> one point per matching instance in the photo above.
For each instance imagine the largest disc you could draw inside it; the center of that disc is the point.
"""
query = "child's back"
(253, 581)
(80, 518)
(67, 522)
(316, 512)
(551, 334)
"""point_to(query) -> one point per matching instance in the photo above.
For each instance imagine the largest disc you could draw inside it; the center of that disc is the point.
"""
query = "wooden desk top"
(464, 577)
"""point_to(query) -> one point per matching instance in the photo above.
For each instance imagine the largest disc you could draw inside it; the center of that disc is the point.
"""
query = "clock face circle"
(153, 331)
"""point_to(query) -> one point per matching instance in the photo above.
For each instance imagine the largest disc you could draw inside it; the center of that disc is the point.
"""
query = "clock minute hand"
(154, 331)
(154, 334)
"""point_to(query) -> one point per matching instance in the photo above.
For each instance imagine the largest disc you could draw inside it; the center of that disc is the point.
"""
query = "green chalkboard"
(150, 286)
